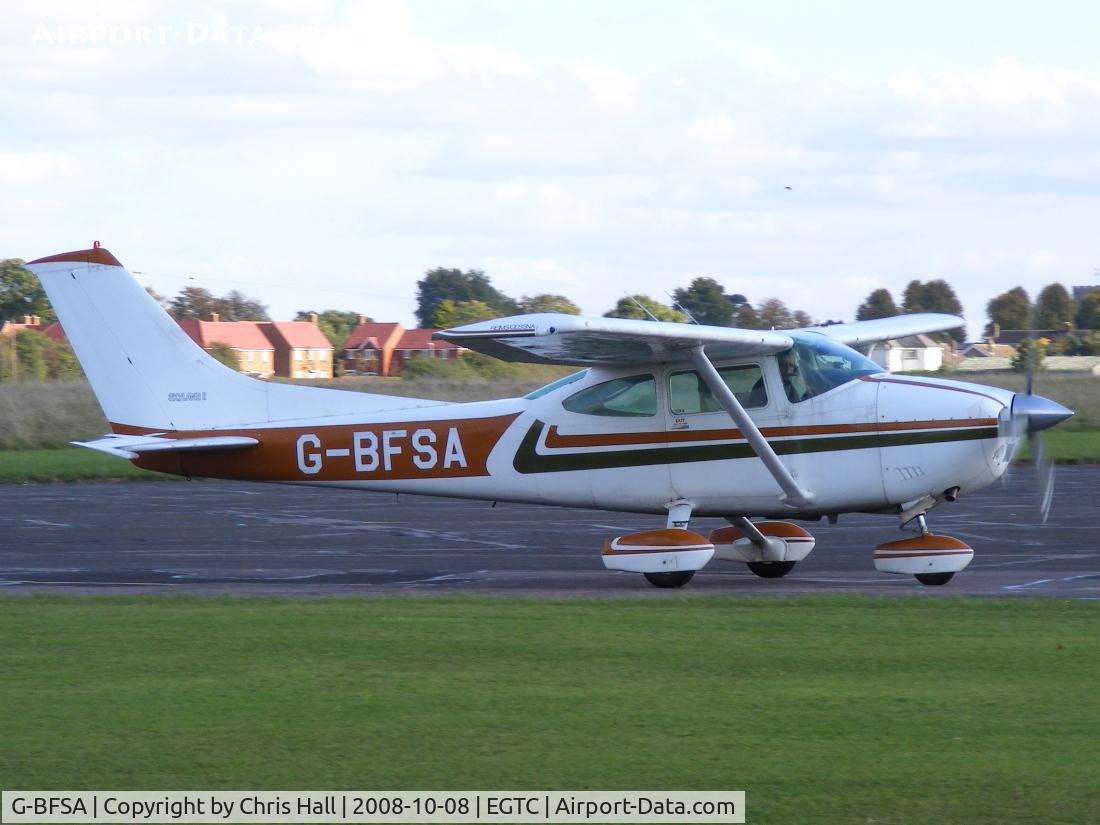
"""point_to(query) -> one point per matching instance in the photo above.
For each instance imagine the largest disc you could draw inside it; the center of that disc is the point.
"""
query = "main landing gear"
(668, 558)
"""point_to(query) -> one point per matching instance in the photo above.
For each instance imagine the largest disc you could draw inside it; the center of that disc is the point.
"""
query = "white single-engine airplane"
(664, 418)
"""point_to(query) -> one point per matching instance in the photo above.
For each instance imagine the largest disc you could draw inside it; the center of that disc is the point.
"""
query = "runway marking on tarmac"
(1038, 559)
(1048, 581)
(376, 526)
(446, 577)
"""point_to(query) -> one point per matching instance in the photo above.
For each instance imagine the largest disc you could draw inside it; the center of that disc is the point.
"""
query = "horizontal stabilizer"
(131, 446)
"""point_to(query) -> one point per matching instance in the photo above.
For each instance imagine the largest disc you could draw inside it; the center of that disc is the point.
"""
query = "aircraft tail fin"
(149, 376)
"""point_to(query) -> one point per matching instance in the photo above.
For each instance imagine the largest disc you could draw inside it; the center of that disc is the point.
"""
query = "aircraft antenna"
(641, 306)
(682, 308)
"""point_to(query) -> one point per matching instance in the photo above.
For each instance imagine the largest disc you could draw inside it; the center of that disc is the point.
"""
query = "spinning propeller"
(1028, 416)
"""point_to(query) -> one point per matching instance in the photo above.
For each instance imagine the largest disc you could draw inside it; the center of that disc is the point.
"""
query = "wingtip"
(95, 255)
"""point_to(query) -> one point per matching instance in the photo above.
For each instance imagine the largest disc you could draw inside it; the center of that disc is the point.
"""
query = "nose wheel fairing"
(923, 555)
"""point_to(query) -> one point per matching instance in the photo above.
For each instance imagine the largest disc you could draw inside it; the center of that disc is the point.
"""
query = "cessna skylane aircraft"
(663, 418)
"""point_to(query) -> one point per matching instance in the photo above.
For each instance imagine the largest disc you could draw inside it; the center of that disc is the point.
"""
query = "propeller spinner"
(1031, 414)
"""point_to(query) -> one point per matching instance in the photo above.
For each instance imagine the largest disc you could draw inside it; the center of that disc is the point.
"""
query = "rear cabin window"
(635, 395)
(688, 394)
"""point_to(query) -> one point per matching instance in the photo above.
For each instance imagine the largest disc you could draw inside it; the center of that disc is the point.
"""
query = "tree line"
(1073, 325)
(449, 297)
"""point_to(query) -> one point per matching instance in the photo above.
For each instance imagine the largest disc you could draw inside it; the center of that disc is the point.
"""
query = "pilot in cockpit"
(794, 384)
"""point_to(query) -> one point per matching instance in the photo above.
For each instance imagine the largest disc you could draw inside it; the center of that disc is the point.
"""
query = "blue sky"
(323, 154)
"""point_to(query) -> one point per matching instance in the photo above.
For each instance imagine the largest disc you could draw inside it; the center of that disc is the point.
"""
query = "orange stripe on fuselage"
(394, 450)
(556, 440)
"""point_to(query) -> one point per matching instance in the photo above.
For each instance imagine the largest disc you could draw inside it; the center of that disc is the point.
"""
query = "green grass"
(823, 709)
(1069, 446)
(67, 464)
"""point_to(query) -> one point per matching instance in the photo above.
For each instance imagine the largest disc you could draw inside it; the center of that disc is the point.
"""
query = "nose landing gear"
(931, 558)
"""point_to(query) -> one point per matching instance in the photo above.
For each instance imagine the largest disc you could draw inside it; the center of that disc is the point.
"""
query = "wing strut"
(793, 495)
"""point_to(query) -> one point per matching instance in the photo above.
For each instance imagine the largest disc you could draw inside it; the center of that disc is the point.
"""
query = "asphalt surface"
(219, 537)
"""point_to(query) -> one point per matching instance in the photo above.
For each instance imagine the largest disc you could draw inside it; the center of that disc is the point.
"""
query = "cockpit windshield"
(816, 364)
(554, 385)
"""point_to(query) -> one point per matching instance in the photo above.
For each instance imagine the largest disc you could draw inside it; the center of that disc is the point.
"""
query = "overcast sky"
(321, 154)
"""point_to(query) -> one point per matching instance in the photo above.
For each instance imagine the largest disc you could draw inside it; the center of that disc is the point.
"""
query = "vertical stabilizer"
(148, 374)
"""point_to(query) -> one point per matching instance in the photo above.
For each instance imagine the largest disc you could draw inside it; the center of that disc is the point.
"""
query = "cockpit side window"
(816, 364)
(634, 395)
(688, 394)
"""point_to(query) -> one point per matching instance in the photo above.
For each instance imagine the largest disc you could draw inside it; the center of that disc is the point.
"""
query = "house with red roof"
(301, 349)
(384, 349)
(369, 348)
(418, 343)
(288, 349)
(31, 322)
(254, 350)
(54, 331)
(298, 349)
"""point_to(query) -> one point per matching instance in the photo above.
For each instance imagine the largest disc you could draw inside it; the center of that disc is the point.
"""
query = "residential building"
(385, 349)
(254, 350)
(32, 322)
(298, 349)
(52, 330)
(418, 343)
(987, 349)
(910, 354)
(301, 349)
(369, 348)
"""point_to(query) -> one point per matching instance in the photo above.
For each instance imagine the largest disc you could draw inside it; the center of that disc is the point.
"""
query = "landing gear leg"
(930, 579)
(669, 557)
(931, 559)
(773, 550)
(679, 516)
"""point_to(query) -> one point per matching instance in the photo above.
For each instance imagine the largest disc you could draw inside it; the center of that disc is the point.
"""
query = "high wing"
(885, 329)
(578, 340)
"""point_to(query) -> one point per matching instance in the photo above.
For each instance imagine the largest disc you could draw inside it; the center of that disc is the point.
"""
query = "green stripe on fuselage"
(528, 460)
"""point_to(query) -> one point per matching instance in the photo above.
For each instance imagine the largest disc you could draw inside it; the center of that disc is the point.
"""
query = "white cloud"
(1009, 97)
(363, 143)
(36, 167)
(613, 91)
